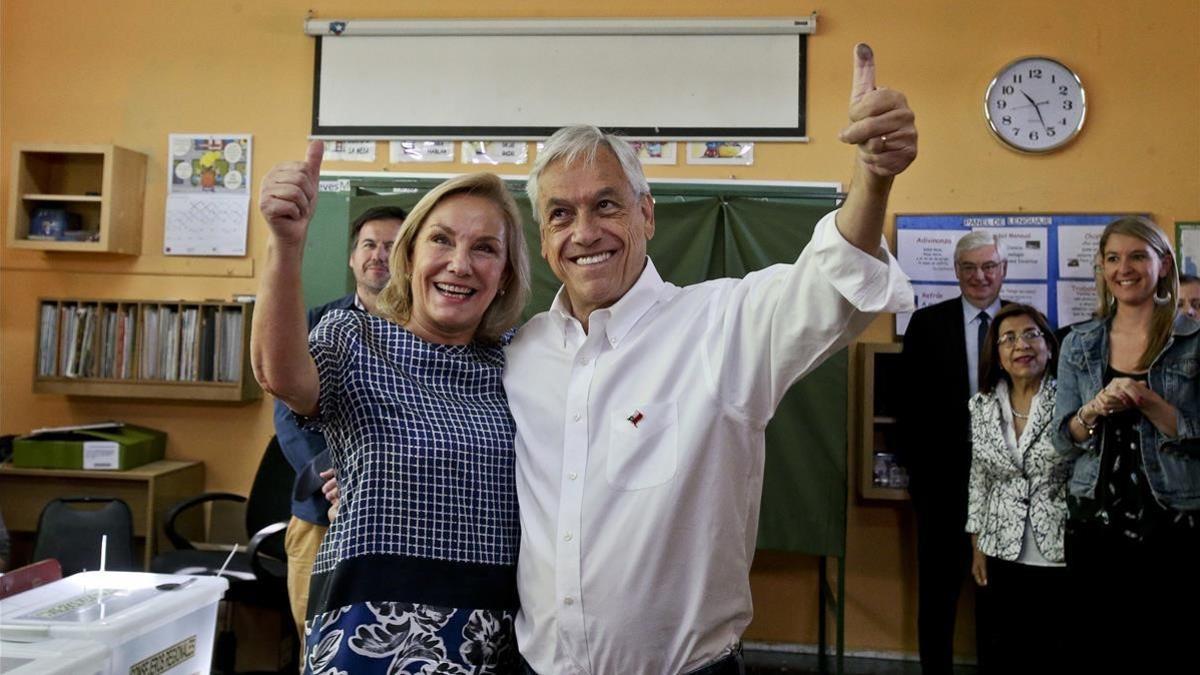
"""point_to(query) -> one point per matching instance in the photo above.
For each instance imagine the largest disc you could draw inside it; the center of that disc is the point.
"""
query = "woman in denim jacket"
(1128, 411)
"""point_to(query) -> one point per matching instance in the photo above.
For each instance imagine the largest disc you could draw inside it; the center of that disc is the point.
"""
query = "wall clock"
(1035, 104)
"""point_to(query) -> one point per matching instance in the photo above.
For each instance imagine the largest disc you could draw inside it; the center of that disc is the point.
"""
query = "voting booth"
(145, 623)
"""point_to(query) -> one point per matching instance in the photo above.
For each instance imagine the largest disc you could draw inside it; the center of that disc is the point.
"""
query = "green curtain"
(707, 232)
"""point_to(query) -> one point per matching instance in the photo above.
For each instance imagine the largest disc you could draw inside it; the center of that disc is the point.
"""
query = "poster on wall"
(420, 151)
(494, 152)
(1077, 249)
(349, 151)
(655, 152)
(1187, 247)
(208, 197)
(1050, 258)
(721, 152)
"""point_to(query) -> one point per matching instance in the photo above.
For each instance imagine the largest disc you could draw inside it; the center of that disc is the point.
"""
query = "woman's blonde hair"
(1166, 290)
(396, 299)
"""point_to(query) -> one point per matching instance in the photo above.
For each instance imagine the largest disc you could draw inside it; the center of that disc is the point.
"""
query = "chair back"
(70, 531)
(29, 577)
(270, 498)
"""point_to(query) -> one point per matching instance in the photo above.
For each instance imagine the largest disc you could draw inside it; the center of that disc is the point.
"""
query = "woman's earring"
(1161, 300)
(502, 292)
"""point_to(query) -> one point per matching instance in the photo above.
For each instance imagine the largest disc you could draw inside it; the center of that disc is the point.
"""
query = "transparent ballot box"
(55, 657)
(152, 623)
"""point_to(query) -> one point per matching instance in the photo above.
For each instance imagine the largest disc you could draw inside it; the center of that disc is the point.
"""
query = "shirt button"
(612, 341)
(583, 361)
(567, 537)
(572, 475)
(568, 601)
(577, 417)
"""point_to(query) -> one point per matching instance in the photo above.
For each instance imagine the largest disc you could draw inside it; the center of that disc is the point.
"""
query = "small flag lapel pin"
(635, 417)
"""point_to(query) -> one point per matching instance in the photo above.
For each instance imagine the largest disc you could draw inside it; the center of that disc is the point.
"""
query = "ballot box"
(55, 657)
(160, 624)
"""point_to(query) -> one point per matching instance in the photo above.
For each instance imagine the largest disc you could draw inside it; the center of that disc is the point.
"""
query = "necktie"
(983, 326)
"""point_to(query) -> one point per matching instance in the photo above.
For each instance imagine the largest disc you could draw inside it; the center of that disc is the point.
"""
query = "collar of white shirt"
(618, 318)
(971, 312)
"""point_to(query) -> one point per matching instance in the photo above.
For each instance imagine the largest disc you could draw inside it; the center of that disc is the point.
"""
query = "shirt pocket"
(643, 447)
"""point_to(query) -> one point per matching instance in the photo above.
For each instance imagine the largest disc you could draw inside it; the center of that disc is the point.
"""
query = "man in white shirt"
(640, 406)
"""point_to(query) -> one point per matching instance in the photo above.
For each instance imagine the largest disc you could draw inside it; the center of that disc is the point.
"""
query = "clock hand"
(1035, 107)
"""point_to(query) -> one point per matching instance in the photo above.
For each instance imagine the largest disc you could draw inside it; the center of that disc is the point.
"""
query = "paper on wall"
(928, 255)
(1077, 248)
(208, 197)
(349, 151)
(420, 151)
(494, 152)
(925, 295)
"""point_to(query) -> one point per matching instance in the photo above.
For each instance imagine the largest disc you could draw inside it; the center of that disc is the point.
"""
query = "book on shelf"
(141, 341)
(48, 341)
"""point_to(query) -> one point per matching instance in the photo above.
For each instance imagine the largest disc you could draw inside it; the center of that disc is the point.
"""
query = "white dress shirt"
(971, 326)
(640, 452)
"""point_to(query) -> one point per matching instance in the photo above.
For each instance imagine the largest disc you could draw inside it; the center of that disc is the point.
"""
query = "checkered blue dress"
(418, 572)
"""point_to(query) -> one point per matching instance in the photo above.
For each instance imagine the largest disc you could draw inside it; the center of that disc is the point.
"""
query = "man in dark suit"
(941, 367)
(371, 235)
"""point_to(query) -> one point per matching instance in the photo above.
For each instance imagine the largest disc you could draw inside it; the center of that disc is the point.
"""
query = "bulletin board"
(1051, 258)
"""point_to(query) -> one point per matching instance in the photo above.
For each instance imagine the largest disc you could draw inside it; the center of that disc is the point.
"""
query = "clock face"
(1035, 104)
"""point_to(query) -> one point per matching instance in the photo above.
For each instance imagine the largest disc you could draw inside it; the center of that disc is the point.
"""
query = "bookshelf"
(177, 350)
(95, 193)
(877, 436)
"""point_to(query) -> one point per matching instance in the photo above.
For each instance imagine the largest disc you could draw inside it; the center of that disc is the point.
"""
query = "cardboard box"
(114, 448)
(151, 623)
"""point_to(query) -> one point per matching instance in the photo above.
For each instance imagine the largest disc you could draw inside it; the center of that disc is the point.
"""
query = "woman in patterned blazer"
(1017, 504)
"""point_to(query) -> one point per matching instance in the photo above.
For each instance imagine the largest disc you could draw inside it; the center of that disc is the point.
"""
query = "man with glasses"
(941, 359)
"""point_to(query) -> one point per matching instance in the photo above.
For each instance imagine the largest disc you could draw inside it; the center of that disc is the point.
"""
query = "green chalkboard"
(703, 231)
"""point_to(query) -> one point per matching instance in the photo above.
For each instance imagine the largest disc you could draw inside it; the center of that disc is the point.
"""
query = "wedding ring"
(883, 143)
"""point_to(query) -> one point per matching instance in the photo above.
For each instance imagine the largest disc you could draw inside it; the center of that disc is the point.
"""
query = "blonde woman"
(1128, 411)
(417, 573)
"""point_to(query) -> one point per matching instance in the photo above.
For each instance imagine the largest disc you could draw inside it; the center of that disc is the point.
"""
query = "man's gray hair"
(583, 142)
(976, 239)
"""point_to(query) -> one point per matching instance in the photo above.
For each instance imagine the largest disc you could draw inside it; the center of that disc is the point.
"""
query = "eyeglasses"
(1009, 339)
(969, 269)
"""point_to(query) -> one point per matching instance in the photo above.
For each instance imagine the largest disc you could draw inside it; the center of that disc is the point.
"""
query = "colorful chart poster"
(721, 152)
(208, 198)
(655, 152)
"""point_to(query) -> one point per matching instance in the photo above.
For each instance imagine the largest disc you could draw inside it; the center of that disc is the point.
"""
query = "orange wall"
(131, 72)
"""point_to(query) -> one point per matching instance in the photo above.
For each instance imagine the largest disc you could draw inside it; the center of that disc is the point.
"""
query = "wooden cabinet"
(196, 351)
(150, 491)
(83, 198)
(876, 436)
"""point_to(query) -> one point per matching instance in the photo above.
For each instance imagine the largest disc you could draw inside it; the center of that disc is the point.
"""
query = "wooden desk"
(149, 490)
